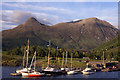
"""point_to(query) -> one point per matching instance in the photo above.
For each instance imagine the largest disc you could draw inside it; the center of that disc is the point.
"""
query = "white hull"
(24, 74)
(24, 70)
(71, 72)
(87, 73)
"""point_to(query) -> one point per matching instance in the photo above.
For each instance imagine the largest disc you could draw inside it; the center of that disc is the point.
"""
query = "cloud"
(19, 17)
(108, 14)
(18, 13)
(36, 7)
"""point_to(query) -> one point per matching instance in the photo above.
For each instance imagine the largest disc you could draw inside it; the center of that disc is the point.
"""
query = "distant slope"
(88, 34)
(110, 48)
(112, 44)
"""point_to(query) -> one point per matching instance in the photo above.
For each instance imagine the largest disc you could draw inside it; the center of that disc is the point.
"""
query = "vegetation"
(110, 49)
(13, 57)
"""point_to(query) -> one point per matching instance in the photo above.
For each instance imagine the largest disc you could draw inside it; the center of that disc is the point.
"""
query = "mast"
(66, 58)
(57, 52)
(32, 59)
(71, 61)
(24, 57)
(103, 57)
(58, 56)
(35, 61)
(63, 59)
(49, 54)
(27, 54)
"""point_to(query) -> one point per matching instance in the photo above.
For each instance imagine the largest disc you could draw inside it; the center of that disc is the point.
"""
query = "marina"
(92, 68)
(7, 70)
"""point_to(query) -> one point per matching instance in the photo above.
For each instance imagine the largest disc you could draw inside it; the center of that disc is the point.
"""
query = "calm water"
(7, 70)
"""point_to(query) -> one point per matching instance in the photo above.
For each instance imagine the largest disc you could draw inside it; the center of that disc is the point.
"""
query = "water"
(7, 70)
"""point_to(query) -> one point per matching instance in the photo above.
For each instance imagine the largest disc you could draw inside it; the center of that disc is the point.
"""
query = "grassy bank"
(16, 60)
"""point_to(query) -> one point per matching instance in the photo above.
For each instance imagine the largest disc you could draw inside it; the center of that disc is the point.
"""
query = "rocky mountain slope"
(87, 34)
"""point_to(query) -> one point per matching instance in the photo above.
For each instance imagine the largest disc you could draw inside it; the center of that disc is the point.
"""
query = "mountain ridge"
(85, 33)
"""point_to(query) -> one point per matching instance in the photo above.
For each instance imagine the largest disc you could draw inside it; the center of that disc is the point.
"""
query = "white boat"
(71, 71)
(25, 68)
(88, 71)
(50, 69)
(33, 73)
(24, 73)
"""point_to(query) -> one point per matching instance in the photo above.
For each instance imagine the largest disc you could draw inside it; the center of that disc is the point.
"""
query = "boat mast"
(58, 56)
(63, 59)
(49, 54)
(24, 57)
(66, 58)
(71, 61)
(32, 59)
(35, 61)
(27, 54)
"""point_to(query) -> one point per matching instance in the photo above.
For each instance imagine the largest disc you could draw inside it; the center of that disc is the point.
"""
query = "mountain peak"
(32, 21)
(92, 18)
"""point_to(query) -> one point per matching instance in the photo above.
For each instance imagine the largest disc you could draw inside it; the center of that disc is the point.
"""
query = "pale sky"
(15, 13)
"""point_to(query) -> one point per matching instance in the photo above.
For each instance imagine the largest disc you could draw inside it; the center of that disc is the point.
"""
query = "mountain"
(110, 48)
(78, 34)
(112, 45)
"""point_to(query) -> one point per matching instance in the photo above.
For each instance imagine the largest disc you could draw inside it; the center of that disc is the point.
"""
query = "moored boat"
(36, 74)
(71, 71)
(49, 69)
(25, 68)
(33, 73)
(52, 70)
(88, 71)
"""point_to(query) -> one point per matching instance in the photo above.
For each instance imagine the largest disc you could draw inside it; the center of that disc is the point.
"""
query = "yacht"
(33, 73)
(70, 72)
(87, 70)
(25, 68)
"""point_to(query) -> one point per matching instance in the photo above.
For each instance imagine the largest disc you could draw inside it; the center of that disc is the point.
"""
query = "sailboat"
(66, 68)
(49, 69)
(62, 68)
(24, 69)
(71, 71)
(87, 70)
(33, 73)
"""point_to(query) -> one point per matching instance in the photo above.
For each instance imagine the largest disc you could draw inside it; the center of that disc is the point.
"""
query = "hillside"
(110, 48)
(82, 34)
